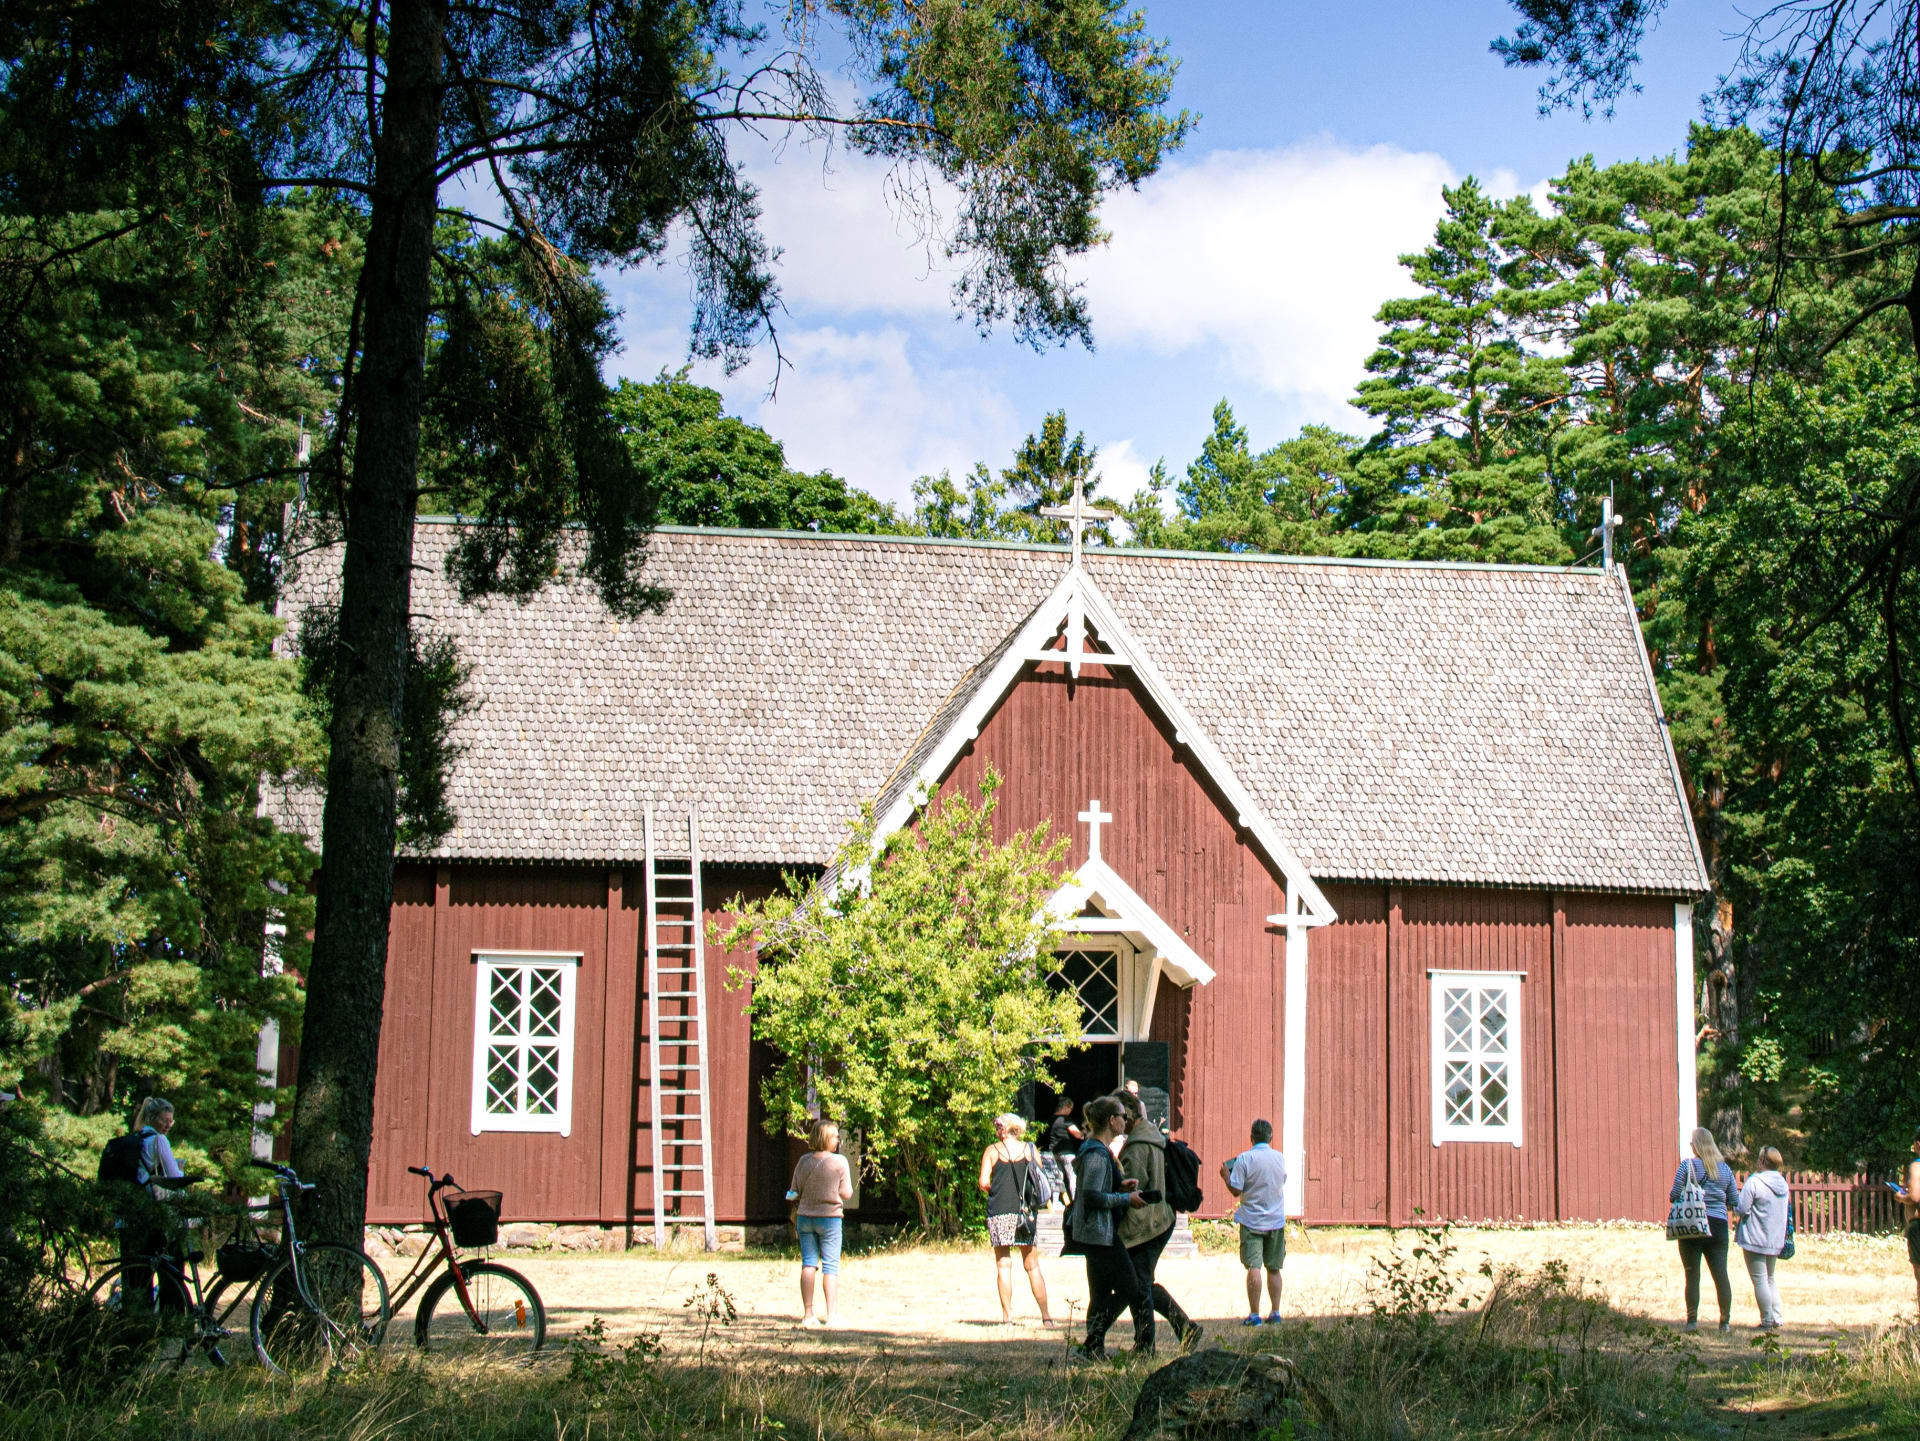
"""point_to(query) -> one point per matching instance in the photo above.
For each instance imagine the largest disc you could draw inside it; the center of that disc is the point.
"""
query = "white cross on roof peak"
(1078, 514)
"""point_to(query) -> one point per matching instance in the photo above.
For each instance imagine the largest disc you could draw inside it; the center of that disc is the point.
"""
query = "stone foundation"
(382, 1242)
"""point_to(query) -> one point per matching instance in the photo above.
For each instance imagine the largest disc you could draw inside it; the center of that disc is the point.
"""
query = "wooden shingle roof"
(1413, 722)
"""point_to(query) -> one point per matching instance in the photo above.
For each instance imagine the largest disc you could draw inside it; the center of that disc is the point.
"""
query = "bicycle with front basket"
(469, 1308)
(314, 1303)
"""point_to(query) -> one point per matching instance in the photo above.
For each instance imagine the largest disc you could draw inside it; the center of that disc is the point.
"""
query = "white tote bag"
(1687, 1220)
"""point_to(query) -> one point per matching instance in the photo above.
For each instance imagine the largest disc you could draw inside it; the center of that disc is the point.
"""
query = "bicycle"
(173, 1332)
(291, 1330)
(499, 1314)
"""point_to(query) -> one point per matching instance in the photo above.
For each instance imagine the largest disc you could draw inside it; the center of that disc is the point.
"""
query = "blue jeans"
(819, 1243)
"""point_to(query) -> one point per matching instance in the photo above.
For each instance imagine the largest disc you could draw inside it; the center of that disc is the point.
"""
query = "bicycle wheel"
(343, 1327)
(507, 1323)
(139, 1330)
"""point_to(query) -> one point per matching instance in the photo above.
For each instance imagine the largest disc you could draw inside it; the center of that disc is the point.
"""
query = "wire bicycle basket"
(474, 1217)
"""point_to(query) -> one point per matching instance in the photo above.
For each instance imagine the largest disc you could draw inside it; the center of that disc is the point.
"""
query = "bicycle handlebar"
(287, 1174)
(436, 1183)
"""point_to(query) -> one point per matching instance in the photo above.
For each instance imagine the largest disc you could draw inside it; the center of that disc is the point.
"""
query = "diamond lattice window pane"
(503, 1003)
(543, 1080)
(1493, 1094)
(1493, 1023)
(1094, 977)
(503, 1080)
(543, 1002)
(1459, 1023)
(1459, 1094)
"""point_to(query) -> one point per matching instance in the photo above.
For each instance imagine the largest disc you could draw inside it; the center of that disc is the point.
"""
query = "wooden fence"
(1826, 1203)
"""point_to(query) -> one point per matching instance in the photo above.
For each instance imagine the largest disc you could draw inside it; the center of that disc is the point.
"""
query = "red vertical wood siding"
(1058, 744)
(1346, 1140)
(1469, 930)
(542, 1176)
(404, 1075)
(619, 1045)
(602, 1171)
(1619, 1067)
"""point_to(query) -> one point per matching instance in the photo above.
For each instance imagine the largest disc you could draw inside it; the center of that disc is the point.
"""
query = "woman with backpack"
(1707, 1169)
(152, 1162)
(1766, 1210)
(1016, 1190)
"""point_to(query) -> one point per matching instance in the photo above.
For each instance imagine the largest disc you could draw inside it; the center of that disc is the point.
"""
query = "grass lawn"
(1551, 1332)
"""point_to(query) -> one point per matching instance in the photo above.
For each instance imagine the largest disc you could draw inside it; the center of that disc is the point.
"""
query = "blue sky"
(1249, 267)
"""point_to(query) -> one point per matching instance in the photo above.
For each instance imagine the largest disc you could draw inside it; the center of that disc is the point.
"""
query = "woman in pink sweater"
(822, 1186)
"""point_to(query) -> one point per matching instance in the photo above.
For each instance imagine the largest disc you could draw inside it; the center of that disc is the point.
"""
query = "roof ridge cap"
(1101, 553)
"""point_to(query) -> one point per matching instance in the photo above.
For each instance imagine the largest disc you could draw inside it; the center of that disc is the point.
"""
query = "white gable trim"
(1122, 909)
(1076, 600)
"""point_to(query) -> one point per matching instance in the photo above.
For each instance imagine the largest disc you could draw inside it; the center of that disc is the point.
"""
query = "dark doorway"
(1086, 1072)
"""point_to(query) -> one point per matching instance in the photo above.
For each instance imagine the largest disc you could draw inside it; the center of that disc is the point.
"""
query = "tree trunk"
(333, 1110)
(1722, 1111)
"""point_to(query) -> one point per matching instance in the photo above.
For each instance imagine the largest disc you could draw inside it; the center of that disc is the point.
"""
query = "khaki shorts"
(1263, 1250)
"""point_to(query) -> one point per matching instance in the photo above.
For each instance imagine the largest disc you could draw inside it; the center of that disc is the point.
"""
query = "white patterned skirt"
(1000, 1229)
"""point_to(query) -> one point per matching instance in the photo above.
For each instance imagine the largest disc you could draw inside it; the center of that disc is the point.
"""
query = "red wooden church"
(1392, 854)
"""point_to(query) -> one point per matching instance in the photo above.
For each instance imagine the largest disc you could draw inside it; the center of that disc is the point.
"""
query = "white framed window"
(523, 1041)
(1094, 972)
(1476, 1055)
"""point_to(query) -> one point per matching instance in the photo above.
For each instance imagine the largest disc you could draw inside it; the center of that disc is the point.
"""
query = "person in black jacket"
(1112, 1282)
(1063, 1141)
(1146, 1231)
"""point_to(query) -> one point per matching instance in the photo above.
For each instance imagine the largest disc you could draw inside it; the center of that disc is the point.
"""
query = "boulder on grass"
(1217, 1394)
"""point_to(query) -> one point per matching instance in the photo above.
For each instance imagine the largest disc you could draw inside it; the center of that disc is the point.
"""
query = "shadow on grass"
(1533, 1355)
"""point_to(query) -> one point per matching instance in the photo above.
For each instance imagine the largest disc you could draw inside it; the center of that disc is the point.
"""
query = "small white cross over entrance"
(1095, 818)
(1077, 515)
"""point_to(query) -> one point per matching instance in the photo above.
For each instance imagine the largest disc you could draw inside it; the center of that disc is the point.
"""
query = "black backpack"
(124, 1159)
(1183, 1177)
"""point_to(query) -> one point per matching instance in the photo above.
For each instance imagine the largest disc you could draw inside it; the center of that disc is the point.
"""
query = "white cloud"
(852, 240)
(1273, 260)
(1259, 269)
(1123, 470)
(870, 407)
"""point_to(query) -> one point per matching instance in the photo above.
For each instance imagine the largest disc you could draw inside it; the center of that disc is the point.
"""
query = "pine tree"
(605, 134)
(1458, 467)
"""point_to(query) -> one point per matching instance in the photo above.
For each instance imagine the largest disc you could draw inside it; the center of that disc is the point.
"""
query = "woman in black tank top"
(1010, 1173)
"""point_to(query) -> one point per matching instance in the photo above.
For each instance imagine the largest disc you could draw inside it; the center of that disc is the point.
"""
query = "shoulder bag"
(1028, 1225)
(1687, 1218)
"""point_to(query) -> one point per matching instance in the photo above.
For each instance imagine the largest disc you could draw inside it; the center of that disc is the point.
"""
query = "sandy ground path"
(944, 1300)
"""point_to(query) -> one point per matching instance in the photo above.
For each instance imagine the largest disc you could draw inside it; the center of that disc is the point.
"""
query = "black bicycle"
(315, 1304)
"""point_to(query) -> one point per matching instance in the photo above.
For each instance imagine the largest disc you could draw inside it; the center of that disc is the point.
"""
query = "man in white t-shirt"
(1258, 1179)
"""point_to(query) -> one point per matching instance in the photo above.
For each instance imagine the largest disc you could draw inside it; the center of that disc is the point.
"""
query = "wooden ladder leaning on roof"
(677, 1038)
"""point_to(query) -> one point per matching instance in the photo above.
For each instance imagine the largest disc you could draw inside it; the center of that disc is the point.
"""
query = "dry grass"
(1538, 1349)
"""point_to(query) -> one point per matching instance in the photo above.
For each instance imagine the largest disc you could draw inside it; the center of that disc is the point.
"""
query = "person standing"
(1016, 1191)
(1063, 1141)
(1257, 1177)
(1145, 1230)
(142, 1237)
(1762, 1235)
(822, 1185)
(1910, 1204)
(1708, 1170)
(1101, 1196)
